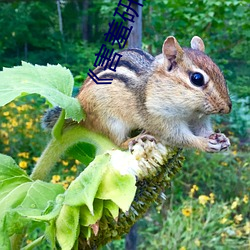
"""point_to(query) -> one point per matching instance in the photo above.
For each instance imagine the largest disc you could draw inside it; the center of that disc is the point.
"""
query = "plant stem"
(57, 147)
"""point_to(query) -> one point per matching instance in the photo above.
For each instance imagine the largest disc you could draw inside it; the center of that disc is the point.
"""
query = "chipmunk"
(170, 97)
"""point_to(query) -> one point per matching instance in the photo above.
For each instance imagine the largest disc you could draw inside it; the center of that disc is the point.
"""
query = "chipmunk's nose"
(227, 108)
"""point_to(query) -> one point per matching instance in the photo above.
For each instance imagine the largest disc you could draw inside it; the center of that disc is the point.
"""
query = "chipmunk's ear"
(172, 50)
(197, 43)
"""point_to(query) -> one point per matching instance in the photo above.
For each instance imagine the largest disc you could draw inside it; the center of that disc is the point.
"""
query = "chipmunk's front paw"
(218, 142)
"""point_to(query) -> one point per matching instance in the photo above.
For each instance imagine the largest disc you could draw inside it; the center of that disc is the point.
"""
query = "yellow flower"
(35, 159)
(65, 185)
(23, 164)
(235, 203)
(247, 227)
(55, 178)
(234, 152)
(65, 163)
(24, 155)
(245, 199)
(29, 124)
(187, 211)
(197, 242)
(211, 195)
(73, 168)
(193, 190)
(238, 218)
(77, 162)
(12, 105)
(223, 220)
(203, 199)
(223, 235)
(238, 233)
(224, 164)
(182, 248)
(6, 113)
(70, 178)
(4, 134)
(14, 123)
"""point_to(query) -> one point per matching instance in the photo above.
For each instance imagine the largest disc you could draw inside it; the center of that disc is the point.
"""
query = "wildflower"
(203, 199)
(14, 123)
(4, 134)
(65, 185)
(29, 124)
(6, 113)
(65, 163)
(235, 203)
(193, 190)
(73, 168)
(211, 195)
(183, 248)
(187, 211)
(247, 227)
(224, 164)
(245, 199)
(223, 220)
(35, 159)
(24, 155)
(197, 242)
(55, 178)
(77, 162)
(23, 164)
(234, 152)
(238, 218)
(238, 233)
(223, 235)
(70, 178)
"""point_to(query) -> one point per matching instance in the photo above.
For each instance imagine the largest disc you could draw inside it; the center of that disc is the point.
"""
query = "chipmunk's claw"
(218, 142)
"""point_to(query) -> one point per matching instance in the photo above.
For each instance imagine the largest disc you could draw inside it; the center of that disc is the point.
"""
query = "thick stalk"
(57, 147)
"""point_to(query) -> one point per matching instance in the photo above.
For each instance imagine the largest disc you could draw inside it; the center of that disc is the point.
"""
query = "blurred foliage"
(30, 32)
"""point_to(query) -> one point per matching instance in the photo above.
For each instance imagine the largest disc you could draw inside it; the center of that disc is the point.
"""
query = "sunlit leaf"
(53, 82)
(67, 226)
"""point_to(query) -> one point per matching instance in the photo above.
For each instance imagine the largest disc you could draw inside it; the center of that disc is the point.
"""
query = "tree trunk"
(59, 16)
(135, 38)
(131, 238)
(85, 33)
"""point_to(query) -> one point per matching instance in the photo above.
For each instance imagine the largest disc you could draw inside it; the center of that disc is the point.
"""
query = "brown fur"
(156, 95)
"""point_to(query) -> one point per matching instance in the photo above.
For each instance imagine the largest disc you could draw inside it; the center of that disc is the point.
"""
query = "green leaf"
(53, 82)
(34, 243)
(83, 189)
(67, 226)
(112, 208)
(86, 218)
(83, 152)
(118, 188)
(58, 127)
(39, 194)
(6, 186)
(9, 168)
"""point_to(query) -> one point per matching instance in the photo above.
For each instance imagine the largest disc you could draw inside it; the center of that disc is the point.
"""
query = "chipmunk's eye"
(197, 79)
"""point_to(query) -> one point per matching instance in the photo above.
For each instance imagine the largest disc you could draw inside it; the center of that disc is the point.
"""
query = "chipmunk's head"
(195, 72)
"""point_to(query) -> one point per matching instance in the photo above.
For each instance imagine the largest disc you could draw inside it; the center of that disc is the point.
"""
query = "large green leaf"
(67, 226)
(118, 188)
(83, 152)
(83, 189)
(20, 197)
(53, 82)
(9, 168)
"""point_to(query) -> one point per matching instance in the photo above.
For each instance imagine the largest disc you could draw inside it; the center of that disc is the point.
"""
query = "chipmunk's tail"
(50, 117)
